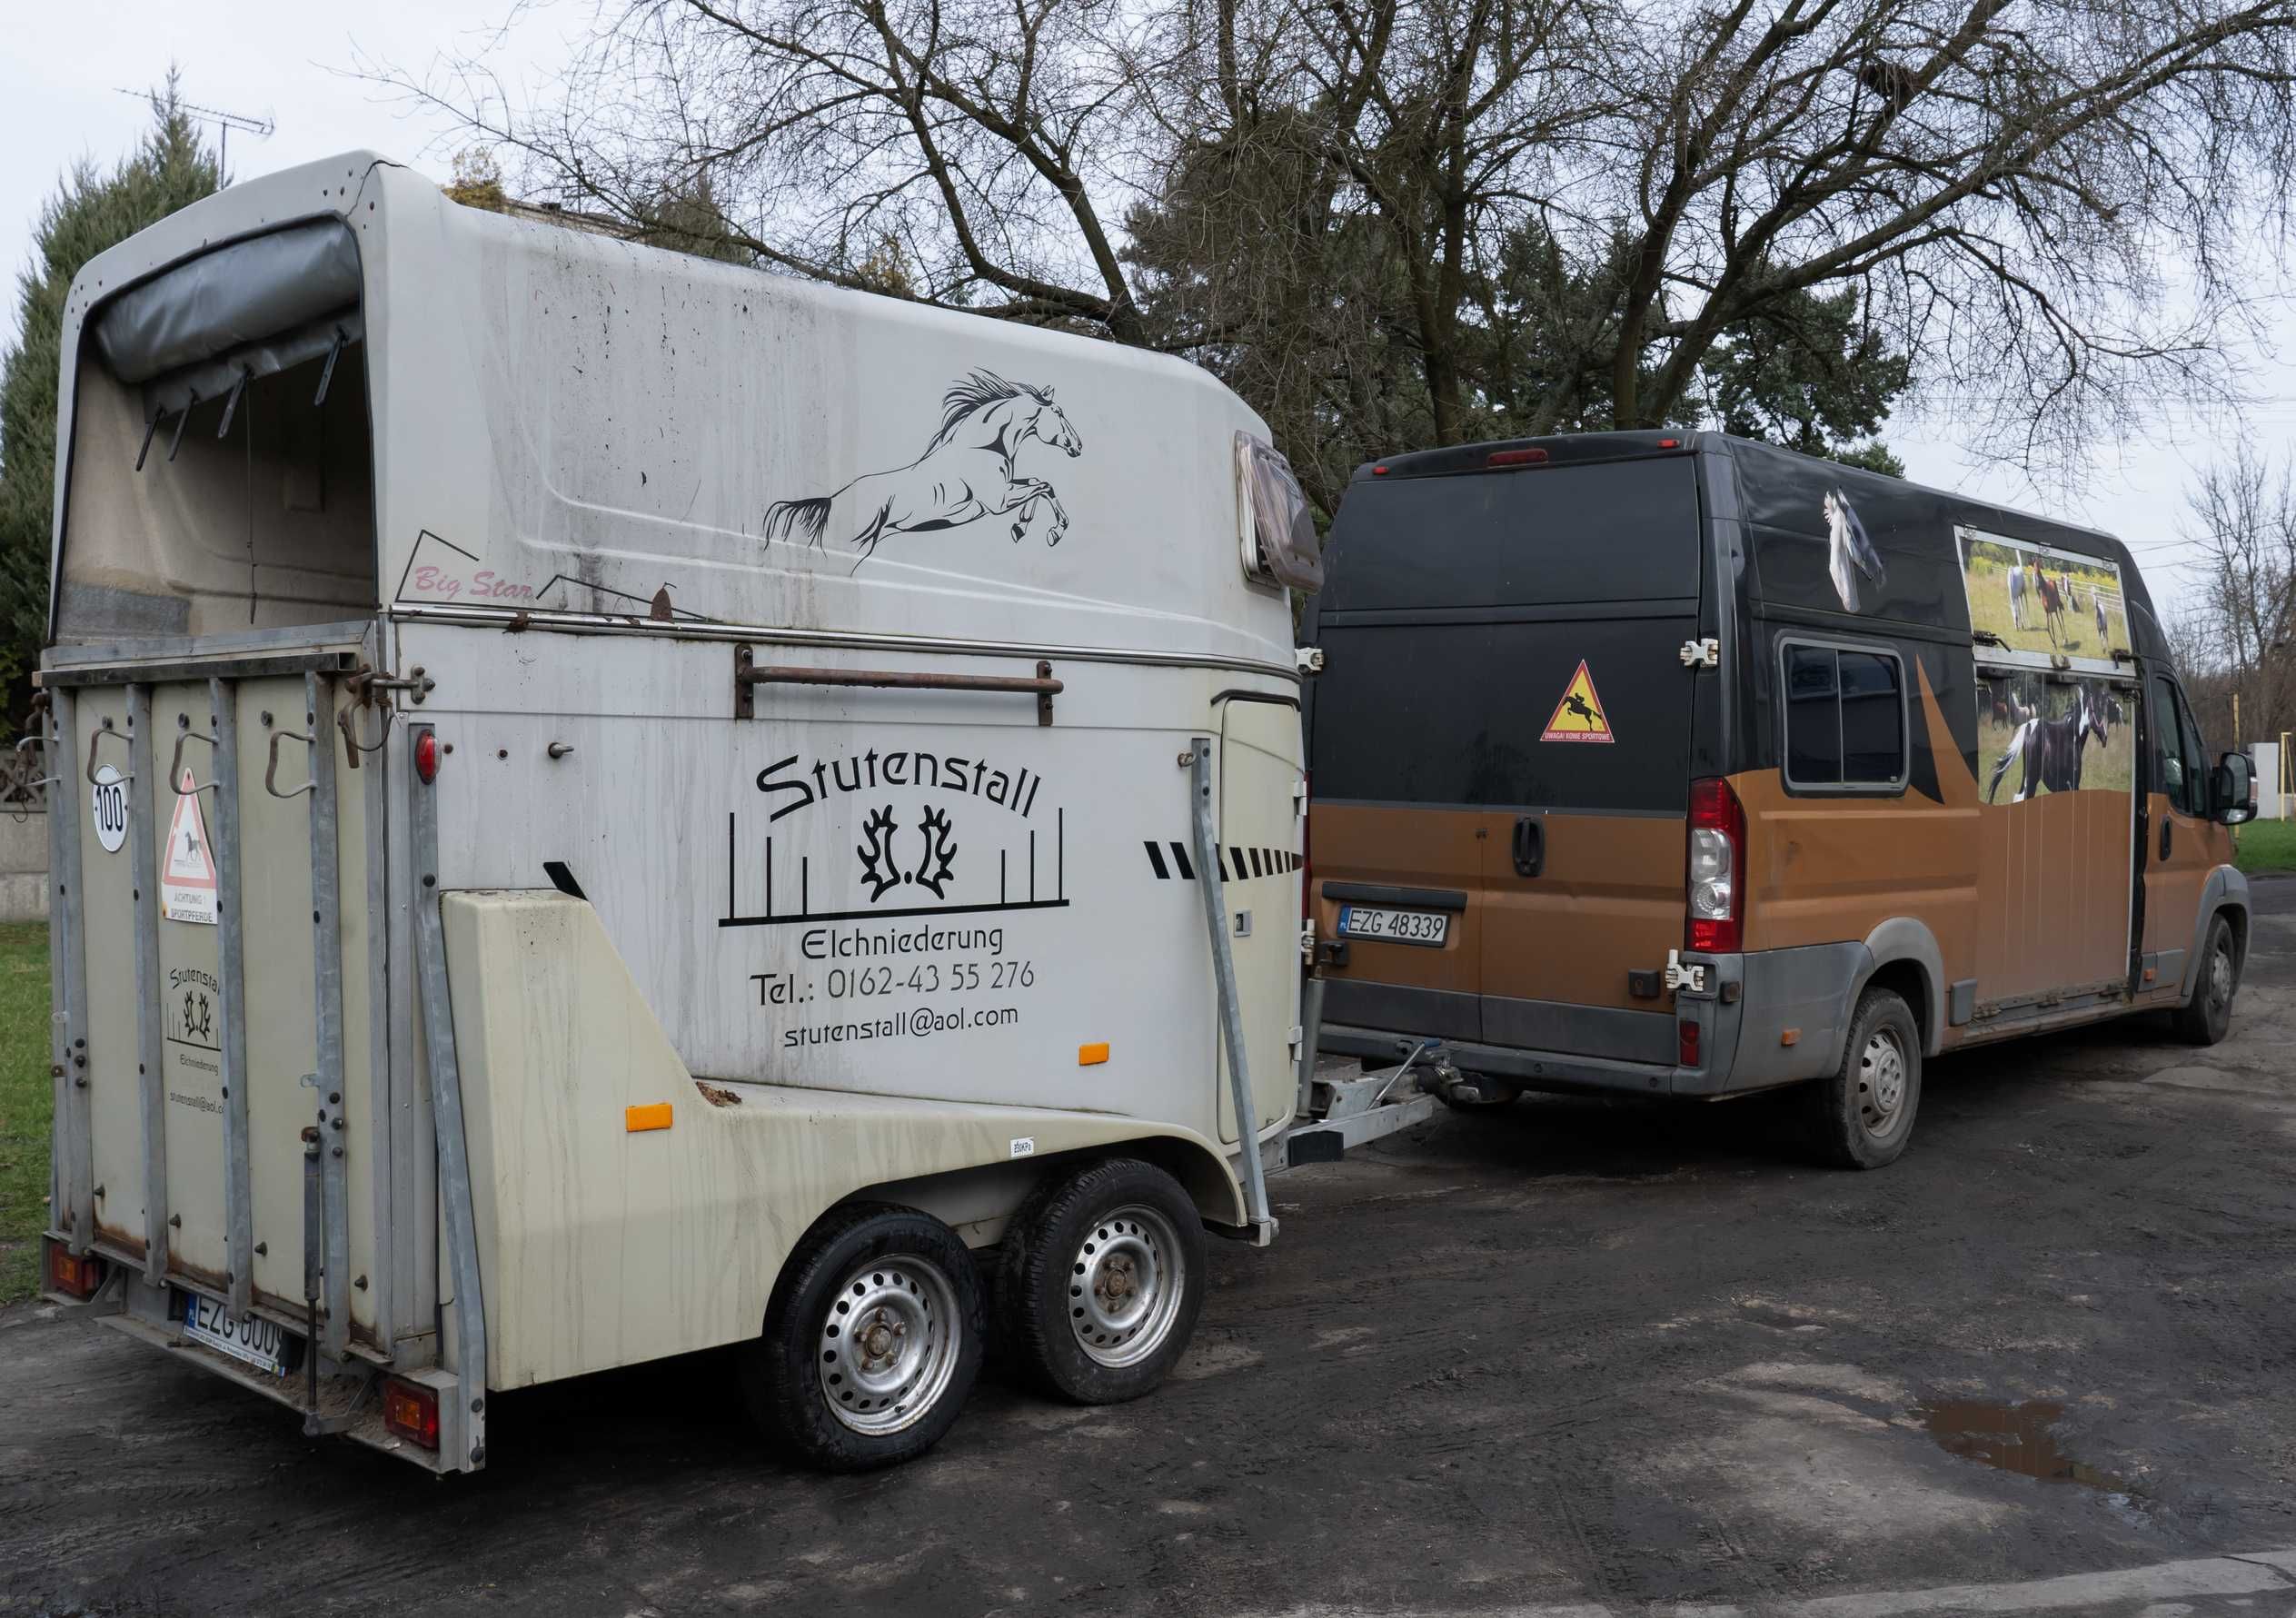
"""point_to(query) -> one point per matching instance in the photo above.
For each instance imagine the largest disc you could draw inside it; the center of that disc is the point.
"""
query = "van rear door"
(1504, 713)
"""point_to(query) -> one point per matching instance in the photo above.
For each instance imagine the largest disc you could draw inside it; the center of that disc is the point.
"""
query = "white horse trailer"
(610, 804)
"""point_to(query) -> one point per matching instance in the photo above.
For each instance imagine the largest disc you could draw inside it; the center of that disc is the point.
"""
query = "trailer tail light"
(1717, 856)
(426, 756)
(412, 1411)
(1688, 1037)
(75, 1274)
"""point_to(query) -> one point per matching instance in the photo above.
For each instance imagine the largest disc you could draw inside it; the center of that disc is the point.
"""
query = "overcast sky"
(284, 60)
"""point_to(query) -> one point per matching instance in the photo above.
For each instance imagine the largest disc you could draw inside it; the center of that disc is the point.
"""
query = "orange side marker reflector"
(1791, 1037)
(653, 1117)
(1092, 1056)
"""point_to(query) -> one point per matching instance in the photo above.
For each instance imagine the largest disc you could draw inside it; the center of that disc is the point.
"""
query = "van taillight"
(1717, 856)
(411, 1410)
(75, 1276)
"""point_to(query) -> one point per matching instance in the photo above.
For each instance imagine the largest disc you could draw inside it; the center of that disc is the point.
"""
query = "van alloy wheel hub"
(1125, 1286)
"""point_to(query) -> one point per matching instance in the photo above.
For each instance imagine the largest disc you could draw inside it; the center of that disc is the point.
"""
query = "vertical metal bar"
(67, 934)
(1311, 1028)
(327, 927)
(382, 1272)
(239, 1211)
(446, 1114)
(154, 798)
(1231, 1010)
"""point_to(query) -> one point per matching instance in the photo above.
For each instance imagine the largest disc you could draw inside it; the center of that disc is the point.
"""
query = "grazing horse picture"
(2017, 592)
(2052, 750)
(1848, 548)
(2097, 602)
(964, 474)
(2053, 606)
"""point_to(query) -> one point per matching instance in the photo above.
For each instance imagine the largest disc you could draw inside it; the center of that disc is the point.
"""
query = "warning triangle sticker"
(188, 879)
(1579, 716)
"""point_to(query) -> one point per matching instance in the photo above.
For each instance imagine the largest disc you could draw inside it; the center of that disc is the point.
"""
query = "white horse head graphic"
(1848, 547)
(965, 473)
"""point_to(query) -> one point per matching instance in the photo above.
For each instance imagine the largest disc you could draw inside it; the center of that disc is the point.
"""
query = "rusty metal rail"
(748, 674)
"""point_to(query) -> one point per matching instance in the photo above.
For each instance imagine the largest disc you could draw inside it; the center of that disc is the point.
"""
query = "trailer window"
(1844, 717)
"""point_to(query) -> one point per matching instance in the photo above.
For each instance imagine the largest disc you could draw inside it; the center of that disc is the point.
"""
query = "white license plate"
(260, 1342)
(1395, 927)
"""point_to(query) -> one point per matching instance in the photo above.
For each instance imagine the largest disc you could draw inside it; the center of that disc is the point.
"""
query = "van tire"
(1862, 1115)
(910, 1280)
(1103, 1278)
(2207, 1017)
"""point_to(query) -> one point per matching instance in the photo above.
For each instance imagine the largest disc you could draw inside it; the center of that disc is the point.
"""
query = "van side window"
(2196, 771)
(1844, 717)
(2175, 752)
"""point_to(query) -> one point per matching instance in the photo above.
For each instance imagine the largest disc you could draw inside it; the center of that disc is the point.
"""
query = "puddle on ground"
(2013, 1437)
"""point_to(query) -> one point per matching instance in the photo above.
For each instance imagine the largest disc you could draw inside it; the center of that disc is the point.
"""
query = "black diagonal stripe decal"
(1179, 859)
(1155, 859)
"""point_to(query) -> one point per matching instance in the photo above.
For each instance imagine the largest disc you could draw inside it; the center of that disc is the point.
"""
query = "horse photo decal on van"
(2032, 600)
(2036, 735)
(964, 474)
(1848, 552)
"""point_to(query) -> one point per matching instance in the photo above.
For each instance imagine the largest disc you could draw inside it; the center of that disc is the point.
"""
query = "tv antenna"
(225, 122)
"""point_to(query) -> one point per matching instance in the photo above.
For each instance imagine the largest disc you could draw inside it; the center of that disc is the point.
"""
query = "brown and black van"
(1671, 764)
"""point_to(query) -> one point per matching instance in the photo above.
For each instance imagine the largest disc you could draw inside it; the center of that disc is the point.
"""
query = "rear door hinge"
(1702, 654)
(1299, 796)
(1680, 976)
(1307, 660)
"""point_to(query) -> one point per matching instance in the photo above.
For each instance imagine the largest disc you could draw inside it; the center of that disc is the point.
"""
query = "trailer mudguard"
(625, 1210)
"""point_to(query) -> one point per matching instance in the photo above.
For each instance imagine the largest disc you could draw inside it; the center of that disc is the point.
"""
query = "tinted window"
(1844, 717)
(2196, 770)
(1621, 532)
(2171, 776)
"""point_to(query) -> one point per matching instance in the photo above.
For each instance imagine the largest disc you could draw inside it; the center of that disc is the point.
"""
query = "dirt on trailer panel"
(1571, 1356)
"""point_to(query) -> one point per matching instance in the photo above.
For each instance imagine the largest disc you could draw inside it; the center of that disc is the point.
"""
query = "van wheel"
(1103, 1279)
(1862, 1116)
(2205, 1019)
(872, 1339)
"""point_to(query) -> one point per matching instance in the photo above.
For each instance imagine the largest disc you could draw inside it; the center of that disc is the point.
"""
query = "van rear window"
(1614, 532)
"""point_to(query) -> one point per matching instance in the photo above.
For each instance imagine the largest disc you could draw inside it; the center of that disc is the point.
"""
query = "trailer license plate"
(1395, 927)
(260, 1342)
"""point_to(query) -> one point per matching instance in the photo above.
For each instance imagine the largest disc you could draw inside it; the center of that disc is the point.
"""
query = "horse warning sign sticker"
(187, 881)
(1579, 716)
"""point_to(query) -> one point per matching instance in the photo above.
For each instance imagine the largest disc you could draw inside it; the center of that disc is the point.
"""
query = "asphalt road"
(1574, 1358)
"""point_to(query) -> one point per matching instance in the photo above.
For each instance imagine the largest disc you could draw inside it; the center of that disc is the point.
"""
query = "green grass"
(2267, 846)
(26, 1103)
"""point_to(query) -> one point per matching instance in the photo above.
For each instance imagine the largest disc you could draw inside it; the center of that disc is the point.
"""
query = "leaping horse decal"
(965, 473)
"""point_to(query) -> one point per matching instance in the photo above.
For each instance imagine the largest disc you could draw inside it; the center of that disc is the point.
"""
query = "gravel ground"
(1574, 1357)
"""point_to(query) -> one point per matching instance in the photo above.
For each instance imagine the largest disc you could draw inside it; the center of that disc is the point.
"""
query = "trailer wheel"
(872, 1339)
(2208, 1015)
(1862, 1115)
(1103, 1279)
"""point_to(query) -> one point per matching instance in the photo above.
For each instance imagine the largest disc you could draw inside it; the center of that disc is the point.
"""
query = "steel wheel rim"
(1126, 1280)
(2220, 978)
(1881, 1083)
(888, 1344)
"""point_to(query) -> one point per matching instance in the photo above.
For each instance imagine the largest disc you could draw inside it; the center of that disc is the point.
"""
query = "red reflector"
(1516, 458)
(412, 1411)
(74, 1275)
(1689, 1035)
(426, 756)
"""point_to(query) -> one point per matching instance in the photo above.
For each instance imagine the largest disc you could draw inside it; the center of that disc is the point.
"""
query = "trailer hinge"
(1680, 976)
(1702, 654)
(1307, 660)
(1299, 796)
(1307, 942)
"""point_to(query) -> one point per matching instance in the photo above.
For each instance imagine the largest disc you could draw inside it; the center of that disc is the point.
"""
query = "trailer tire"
(872, 1339)
(1103, 1278)
(1861, 1113)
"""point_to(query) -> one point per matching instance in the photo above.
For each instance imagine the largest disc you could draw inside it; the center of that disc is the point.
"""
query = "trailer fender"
(627, 1211)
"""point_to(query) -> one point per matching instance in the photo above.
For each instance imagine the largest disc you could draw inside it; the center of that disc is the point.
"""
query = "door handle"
(2167, 827)
(1530, 846)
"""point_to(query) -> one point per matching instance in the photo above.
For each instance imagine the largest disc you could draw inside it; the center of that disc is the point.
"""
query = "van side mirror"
(2233, 788)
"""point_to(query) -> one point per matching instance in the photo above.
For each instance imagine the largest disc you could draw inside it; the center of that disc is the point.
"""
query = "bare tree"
(1393, 222)
(2238, 634)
